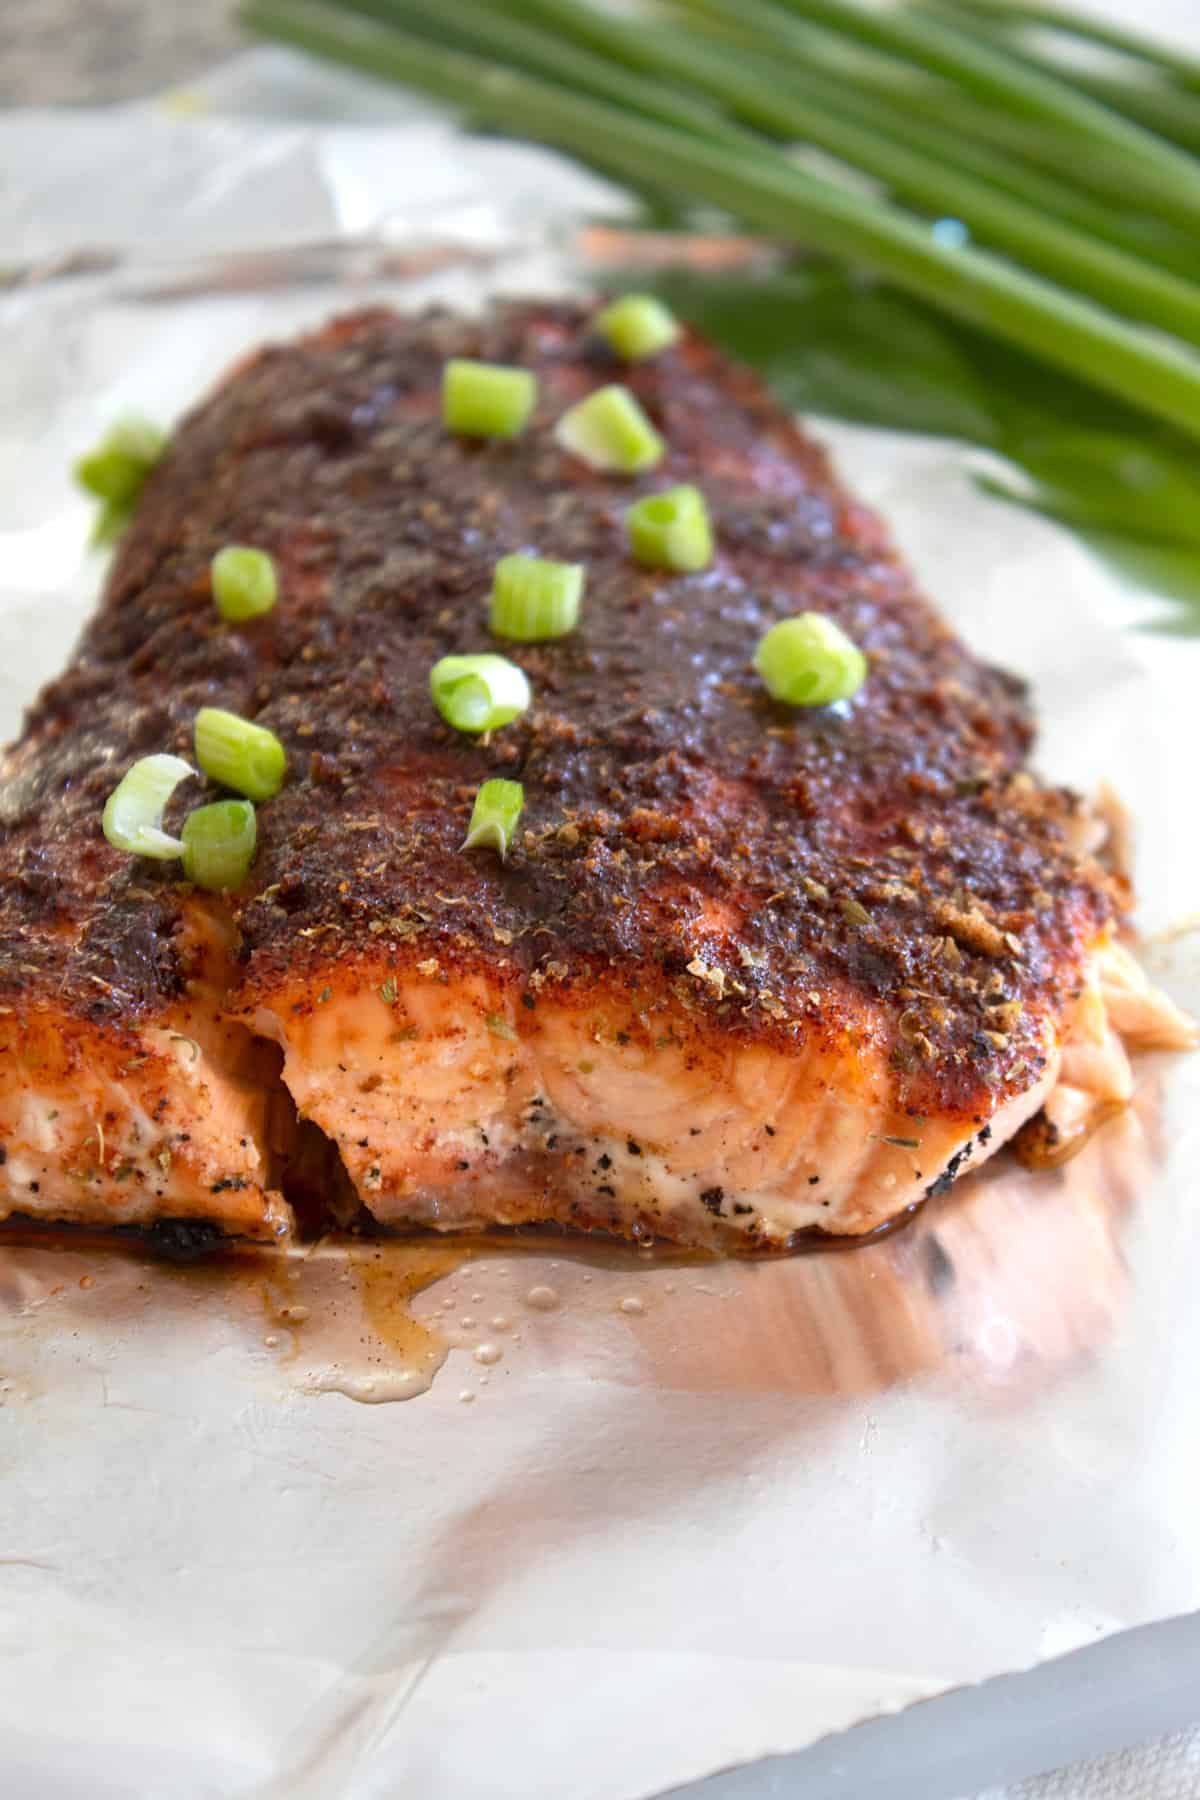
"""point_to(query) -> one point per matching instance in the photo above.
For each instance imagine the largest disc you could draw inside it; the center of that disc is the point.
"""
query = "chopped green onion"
(638, 325)
(247, 758)
(218, 844)
(609, 430)
(118, 466)
(111, 518)
(809, 661)
(133, 813)
(671, 530)
(478, 693)
(533, 598)
(494, 816)
(244, 583)
(486, 399)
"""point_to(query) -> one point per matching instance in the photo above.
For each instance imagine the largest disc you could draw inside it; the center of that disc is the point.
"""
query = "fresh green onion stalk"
(244, 583)
(116, 469)
(486, 399)
(240, 755)
(671, 530)
(133, 813)
(478, 693)
(637, 325)
(770, 191)
(609, 430)
(809, 661)
(218, 844)
(494, 817)
(534, 599)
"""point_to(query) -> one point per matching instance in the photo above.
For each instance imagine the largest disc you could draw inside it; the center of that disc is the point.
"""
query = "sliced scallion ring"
(609, 430)
(110, 520)
(637, 325)
(133, 812)
(534, 599)
(218, 844)
(809, 661)
(240, 755)
(486, 399)
(244, 583)
(671, 530)
(478, 693)
(116, 469)
(494, 817)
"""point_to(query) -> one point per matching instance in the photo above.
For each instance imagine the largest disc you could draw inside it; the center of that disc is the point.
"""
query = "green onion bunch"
(1030, 220)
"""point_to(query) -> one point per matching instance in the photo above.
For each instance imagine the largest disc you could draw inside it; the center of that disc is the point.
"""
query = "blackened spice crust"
(780, 866)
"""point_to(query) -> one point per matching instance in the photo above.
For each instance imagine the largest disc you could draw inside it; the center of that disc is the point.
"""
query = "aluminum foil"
(636, 1519)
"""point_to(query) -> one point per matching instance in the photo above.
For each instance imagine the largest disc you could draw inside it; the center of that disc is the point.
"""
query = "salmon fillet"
(749, 972)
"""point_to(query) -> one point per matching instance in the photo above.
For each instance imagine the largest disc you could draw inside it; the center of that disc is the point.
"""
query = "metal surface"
(1137, 1685)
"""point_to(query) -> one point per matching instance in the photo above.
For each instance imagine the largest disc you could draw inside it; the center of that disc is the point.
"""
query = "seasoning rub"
(747, 968)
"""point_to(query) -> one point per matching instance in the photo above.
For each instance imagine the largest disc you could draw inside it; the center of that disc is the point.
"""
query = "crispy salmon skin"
(748, 971)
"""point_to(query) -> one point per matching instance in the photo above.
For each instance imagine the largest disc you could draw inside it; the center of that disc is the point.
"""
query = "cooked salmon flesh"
(749, 971)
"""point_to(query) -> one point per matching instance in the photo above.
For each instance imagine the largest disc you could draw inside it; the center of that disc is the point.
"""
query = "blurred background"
(61, 52)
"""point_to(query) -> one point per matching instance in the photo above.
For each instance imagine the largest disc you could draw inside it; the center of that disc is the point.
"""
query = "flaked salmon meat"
(749, 972)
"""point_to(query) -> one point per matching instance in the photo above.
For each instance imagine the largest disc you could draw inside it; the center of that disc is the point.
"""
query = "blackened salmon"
(748, 970)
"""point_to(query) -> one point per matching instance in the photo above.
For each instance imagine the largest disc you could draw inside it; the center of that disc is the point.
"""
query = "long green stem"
(1084, 28)
(983, 69)
(1166, 110)
(1169, 110)
(1125, 281)
(795, 109)
(770, 195)
(1044, 148)
(913, 116)
(552, 56)
(799, 108)
(1051, 144)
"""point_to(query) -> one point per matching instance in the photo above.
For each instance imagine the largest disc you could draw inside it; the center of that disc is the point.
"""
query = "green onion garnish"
(133, 812)
(671, 530)
(533, 599)
(478, 693)
(637, 325)
(809, 661)
(218, 844)
(486, 399)
(244, 583)
(118, 466)
(247, 758)
(609, 430)
(494, 816)
(112, 516)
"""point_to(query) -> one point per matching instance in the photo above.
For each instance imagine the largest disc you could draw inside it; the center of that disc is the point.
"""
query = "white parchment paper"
(692, 1514)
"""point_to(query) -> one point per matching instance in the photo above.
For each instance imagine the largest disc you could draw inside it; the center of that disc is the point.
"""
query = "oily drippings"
(340, 1314)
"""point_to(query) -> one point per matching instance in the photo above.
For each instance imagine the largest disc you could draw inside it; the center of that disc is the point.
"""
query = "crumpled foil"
(651, 1517)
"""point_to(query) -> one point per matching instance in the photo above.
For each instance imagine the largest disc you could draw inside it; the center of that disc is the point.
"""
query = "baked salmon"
(750, 972)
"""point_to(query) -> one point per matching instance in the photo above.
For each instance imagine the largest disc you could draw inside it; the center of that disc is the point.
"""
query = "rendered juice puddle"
(341, 1315)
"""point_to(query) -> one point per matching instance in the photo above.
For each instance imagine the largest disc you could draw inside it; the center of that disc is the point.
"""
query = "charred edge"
(953, 1169)
(171, 1240)
(179, 1240)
